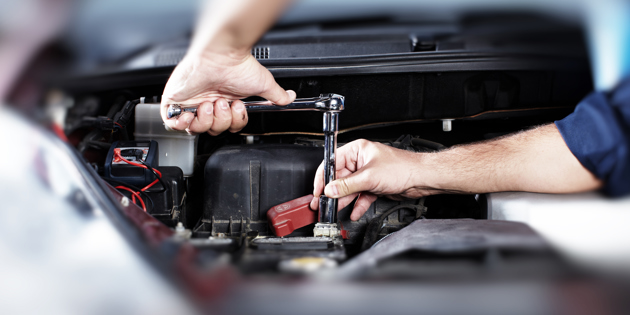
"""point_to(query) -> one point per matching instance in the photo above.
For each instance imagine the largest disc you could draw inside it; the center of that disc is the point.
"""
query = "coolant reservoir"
(177, 148)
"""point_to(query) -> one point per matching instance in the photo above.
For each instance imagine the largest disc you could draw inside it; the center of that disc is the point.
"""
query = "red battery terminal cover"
(292, 215)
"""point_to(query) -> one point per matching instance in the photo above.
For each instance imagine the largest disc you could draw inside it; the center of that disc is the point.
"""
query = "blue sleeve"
(598, 134)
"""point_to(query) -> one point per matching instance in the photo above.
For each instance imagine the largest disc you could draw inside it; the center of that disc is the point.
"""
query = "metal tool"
(325, 102)
(330, 104)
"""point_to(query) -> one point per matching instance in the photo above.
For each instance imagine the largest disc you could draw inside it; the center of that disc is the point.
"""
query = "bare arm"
(234, 26)
(536, 160)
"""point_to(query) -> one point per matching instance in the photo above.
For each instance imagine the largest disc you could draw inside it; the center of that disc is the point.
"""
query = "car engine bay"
(239, 201)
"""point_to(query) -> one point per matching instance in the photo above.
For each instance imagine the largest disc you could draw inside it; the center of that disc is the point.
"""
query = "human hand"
(213, 80)
(369, 169)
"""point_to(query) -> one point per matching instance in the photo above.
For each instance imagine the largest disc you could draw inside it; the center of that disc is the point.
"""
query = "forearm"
(233, 27)
(536, 160)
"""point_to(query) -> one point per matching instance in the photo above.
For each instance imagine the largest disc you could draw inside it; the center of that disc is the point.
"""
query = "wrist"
(427, 175)
(219, 55)
(221, 46)
(219, 62)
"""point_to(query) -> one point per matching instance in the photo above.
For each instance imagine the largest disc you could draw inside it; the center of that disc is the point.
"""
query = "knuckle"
(368, 144)
(214, 132)
(362, 142)
(367, 173)
(225, 117)
(239, 120)
(344, 188)
(195, 129)
(221, 127)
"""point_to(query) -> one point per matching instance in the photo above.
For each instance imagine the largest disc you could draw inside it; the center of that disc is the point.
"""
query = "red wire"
(134, 194)
(152, 183)
(143, 166)
(117, 124)
(59, 132)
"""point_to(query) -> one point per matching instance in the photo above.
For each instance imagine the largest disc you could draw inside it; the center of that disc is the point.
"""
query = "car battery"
(140, 152)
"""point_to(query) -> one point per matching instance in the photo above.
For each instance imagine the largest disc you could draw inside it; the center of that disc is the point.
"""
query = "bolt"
(180, 227)
(447, 125)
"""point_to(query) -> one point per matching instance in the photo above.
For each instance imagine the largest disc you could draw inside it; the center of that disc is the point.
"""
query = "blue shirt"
(598, 134)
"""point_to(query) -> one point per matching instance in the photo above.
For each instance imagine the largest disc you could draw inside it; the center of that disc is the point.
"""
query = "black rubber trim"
(390, 63)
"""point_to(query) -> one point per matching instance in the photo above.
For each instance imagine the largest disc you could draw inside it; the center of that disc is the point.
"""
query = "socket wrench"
(330, 104)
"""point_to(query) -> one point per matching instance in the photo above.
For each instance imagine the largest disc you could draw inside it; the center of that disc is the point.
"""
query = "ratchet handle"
(325, 102)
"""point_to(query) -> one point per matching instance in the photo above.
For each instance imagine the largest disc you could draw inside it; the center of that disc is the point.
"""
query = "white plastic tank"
(177, 148)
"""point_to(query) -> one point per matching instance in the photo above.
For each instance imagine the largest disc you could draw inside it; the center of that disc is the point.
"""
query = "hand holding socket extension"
(330, 104)
(324, 103)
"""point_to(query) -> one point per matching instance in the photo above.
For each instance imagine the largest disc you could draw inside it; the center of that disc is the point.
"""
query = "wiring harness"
(136, 194)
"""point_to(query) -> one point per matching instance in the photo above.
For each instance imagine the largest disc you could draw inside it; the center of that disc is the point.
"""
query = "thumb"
(353, 183)
(278, 95)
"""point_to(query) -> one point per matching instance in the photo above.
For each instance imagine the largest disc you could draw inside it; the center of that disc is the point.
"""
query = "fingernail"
(291, 93)
(239, 107)
(331, 190)
(209, 109)
(223, 104)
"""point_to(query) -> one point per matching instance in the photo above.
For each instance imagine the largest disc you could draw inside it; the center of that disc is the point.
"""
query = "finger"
(362, 205)
(354, 183)
(278, 95)
(341, 203)
(341, 173)
(318, 182)
(170, 123)
(204, 119)
(222, 117)
(345, 201)
(239, 116)
(175, 123)
(182, 122)
(315, 203)
(394, 197)
(347, 156)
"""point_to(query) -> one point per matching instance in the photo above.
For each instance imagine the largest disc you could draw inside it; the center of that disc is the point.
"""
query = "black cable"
(407, 142)
(144, 193)
(159, 178)
(376, 224)
(427, 144)
(123, 117)
(99, 145)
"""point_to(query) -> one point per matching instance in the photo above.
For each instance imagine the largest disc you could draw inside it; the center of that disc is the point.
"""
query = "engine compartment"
(221, 207)
(451, 86)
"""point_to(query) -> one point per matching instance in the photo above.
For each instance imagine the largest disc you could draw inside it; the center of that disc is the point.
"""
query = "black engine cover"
(243, 182)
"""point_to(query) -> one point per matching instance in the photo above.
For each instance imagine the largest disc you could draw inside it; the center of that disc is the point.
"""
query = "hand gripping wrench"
(330, 104)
